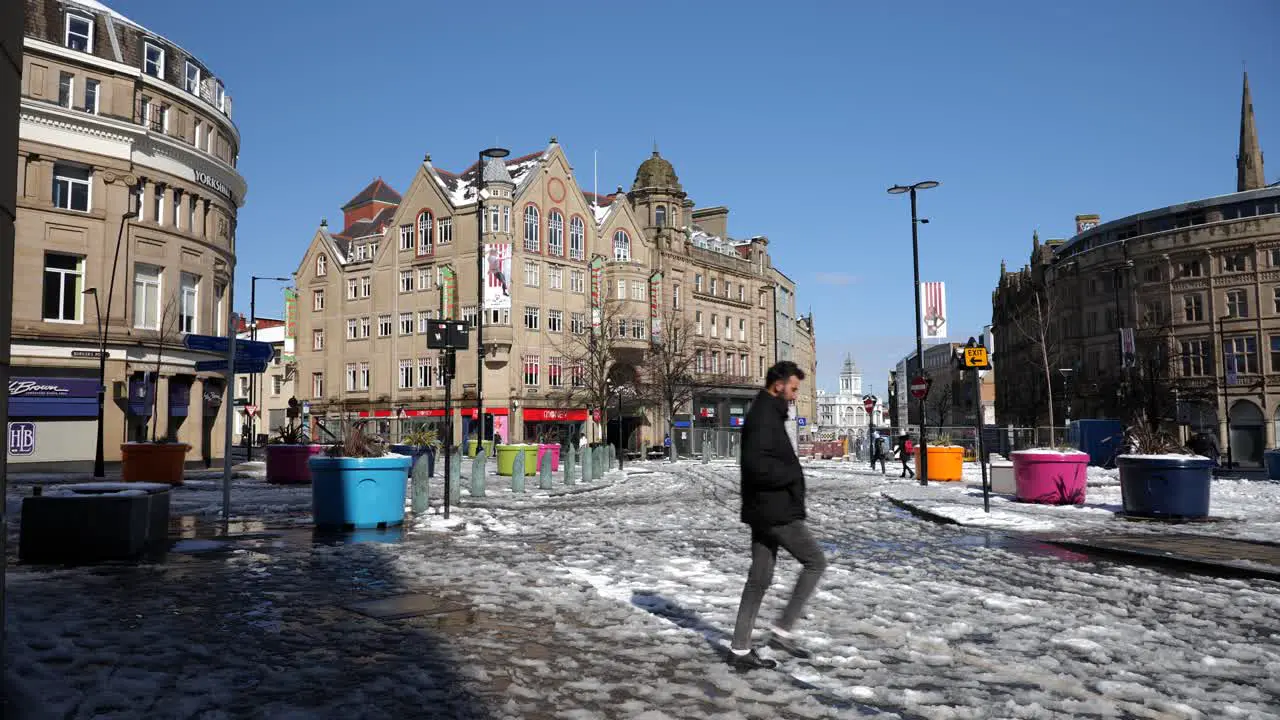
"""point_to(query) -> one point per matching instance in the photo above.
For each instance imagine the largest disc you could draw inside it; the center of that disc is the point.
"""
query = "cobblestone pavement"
(614, 604)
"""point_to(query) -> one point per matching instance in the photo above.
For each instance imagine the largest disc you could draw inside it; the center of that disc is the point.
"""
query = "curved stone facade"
(127, 184)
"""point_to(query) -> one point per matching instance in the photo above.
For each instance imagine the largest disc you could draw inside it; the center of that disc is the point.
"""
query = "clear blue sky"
(797, 116)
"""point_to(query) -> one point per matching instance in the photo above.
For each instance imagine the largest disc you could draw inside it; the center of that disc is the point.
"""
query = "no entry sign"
(869, 403)
(919, 387)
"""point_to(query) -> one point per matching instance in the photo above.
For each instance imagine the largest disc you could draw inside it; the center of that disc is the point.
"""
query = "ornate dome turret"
(657, 172)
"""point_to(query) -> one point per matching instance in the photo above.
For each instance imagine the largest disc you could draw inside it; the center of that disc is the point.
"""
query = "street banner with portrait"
(497, 284)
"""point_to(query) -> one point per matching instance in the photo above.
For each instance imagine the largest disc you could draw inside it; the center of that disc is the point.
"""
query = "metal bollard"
(517, 473)
(421, 486)
(545, 482)
(477, 474)
(569, 458)
(455, 479)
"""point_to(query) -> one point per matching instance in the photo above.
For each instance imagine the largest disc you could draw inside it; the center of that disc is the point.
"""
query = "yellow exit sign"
(975, 357)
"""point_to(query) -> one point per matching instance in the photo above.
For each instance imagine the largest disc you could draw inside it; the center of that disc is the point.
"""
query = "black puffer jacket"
(772, 481)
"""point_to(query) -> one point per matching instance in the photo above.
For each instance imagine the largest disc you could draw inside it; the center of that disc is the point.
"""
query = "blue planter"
(358, 492)
(1272, 458)
(416, 452)
(1165, 486)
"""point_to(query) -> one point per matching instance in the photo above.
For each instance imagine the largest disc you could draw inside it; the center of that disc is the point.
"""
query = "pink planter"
(554, 452)
(1050, 477)
(287, 464)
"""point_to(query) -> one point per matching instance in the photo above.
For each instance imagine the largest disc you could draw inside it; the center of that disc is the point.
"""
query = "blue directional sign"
(243, 366)
(801, 422)
(245, 349)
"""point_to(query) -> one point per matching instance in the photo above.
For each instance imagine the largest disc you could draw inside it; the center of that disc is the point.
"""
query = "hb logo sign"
(22, 438)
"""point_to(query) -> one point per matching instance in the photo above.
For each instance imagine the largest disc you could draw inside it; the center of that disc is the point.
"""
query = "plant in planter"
(1050, 476)
(424, 442)
(356, 484)
(288, 454)
(946, 461)
(163, 459)
(1159, 478)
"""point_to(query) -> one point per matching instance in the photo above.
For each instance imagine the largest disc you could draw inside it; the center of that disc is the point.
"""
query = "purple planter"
(1050, 477)
(287, 464)
(549, 450)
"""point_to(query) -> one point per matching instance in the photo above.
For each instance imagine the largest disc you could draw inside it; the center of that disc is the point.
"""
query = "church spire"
(1249, 174)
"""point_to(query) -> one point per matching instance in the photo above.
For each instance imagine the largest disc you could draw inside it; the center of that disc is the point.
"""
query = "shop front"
(396, 424)
(52, 418)
(495, 427)
(553, 426)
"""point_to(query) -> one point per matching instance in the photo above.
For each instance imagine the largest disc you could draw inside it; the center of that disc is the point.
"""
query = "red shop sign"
(471, 412)
(554, 414)
(439, 412)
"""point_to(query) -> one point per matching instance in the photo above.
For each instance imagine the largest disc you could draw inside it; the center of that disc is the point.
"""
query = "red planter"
(1050, 477)
(287, 464)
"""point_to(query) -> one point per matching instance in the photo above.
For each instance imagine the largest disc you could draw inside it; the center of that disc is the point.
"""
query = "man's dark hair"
(781, 372)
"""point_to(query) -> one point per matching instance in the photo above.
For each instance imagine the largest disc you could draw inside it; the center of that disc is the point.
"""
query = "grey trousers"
(793, 537)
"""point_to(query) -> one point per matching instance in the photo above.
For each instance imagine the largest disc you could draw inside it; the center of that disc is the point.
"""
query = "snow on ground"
(615, 603)
(1245, 509)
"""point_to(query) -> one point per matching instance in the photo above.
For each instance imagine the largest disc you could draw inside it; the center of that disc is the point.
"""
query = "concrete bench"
(89, 522)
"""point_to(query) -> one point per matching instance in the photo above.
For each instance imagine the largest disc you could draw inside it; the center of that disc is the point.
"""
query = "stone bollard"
(455, 478)
(613, 457)
(477, 475)
(568, 465)
(421, 486)
(671, 452)
(517, 473)
(586, 464)
(601, 463)
(545, 482)
(706, 452)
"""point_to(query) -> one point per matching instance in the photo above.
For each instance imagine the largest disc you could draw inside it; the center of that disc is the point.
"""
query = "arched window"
(322, 265)
(621, 246)
(555, 233)
(660, 216)
(426, 238)
(577, 239)
(531, 242)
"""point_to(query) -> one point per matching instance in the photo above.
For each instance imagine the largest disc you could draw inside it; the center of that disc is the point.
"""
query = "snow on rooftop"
(461, 189)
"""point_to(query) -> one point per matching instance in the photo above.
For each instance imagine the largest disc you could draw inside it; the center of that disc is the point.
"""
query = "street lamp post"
(496, 153)
(1226, 399)
(99, 461)
(253, 335)
(915, 262)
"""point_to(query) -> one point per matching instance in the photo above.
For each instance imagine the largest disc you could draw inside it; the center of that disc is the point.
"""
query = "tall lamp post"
(915, 262)
(481, 276)
(99, 462)
(1226, 378)
(253, 335)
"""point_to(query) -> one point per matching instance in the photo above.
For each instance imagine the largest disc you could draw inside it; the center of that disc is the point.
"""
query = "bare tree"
(590, 357)
(670, 375)
(940, 400)
(166, 333)
(1034, 323)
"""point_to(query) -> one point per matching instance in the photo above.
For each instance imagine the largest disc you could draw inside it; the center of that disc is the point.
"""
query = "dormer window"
(193, 78)
(153, 60)
(79, 33)
(219, 97)
(322, 265)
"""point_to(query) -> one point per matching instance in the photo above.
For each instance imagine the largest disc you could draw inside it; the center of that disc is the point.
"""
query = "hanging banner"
(497, 276)
(290, 324)
(596, 268)
(933, 297)
(655, 301)
(449, 293)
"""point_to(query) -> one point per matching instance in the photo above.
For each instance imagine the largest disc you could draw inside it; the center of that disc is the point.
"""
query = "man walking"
(773, 507)
(879, 448)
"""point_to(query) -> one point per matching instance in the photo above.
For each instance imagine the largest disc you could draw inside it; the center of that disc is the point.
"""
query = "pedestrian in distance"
(773, 507)
(905, 449)
(879, 450)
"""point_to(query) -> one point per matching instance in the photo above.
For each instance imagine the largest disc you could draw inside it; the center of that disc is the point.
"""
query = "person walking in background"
(905, 449)
(773, 507)
(879, 449)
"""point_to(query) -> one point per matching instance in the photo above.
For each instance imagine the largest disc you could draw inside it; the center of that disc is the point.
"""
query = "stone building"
(127, 198)
(558, 262)
(841, 413)
(1137, 313)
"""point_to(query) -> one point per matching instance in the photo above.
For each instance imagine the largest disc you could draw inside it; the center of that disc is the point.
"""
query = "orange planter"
(154, 462)
(946, 464)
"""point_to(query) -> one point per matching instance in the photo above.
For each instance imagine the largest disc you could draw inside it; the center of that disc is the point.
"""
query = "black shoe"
(750, 661)
(789, 645)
